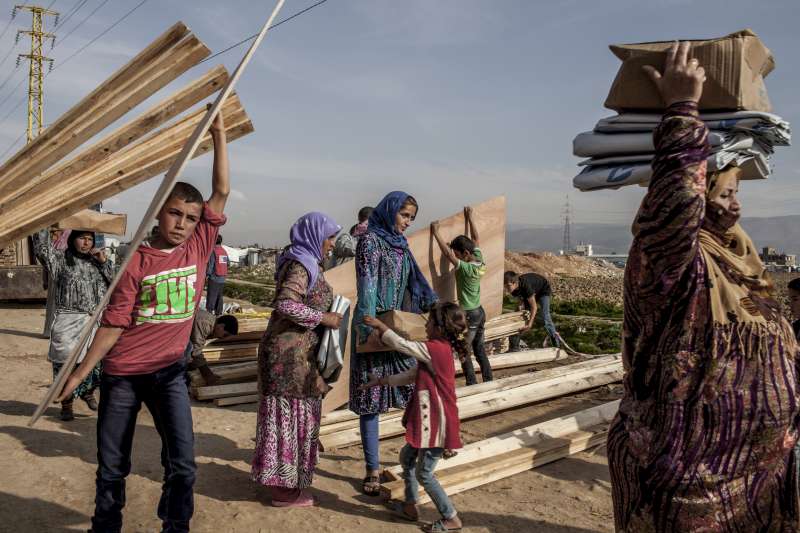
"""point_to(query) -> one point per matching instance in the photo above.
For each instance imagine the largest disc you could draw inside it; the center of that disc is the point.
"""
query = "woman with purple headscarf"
(289, 383)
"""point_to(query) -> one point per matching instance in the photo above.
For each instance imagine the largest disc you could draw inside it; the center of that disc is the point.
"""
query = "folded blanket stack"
(620, 148)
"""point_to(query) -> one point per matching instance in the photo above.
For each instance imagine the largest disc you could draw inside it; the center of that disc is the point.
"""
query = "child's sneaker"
(91, 403)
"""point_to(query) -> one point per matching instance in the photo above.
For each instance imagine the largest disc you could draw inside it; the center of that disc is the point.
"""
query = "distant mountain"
(782, 233)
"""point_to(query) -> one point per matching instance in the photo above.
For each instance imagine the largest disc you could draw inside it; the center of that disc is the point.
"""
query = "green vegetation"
(252, 293)
(573, 322)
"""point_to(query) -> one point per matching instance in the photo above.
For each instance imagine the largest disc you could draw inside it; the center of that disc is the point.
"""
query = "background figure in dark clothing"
(794, 305)
(533, 293)
(217, 272)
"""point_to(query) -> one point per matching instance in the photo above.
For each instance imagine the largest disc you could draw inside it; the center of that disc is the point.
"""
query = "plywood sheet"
(490, 219)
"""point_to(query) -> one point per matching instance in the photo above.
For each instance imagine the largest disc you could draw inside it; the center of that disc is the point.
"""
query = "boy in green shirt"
(465, 254)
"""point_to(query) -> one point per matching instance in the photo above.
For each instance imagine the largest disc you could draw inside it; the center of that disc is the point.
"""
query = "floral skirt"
(88, 385)
(287, 441)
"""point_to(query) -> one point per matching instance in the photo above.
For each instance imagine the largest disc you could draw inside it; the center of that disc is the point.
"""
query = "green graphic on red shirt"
(167, 296)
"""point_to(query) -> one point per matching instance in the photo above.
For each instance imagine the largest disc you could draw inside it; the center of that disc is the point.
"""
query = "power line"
(90, 43)
(81, 23)
(12, 145)
(71, 13)
(287, 19)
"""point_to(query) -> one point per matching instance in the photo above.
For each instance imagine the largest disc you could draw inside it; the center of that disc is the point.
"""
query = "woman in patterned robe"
(704, 436)
(388, 278)
(80, 276)
(289, 382)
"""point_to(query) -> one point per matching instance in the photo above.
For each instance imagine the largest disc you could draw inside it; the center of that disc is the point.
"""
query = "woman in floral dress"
(290, 385)
(388, 278)
(704, 436)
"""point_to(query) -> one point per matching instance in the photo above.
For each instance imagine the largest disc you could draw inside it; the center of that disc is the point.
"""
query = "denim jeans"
(476, 320)
(214, 296)
(418, 466)
(370, 442)
(165, 394)
(543, 312)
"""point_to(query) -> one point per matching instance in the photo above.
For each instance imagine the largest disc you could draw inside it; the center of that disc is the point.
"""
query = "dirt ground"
(47, 472)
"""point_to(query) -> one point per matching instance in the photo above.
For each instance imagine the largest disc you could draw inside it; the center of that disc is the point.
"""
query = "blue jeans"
(476, 320)
(214, 291)
(543, 311)
(165, 394)
(418, 466)
(370, 440)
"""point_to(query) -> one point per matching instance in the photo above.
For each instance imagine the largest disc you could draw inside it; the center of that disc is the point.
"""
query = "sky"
(453, 101)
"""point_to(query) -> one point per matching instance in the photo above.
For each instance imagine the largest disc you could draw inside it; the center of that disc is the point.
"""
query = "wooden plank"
(236, 400)
(528, 436)
(472, 475)
(111, 102)
(225, 391)
(490, 218)
(154, 117)
(165, 140)
(189, 149)
(491, 402)
(347, 420)
(24, 220)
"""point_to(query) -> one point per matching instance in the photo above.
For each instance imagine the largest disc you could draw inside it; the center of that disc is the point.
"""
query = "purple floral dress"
(704, 436)
(287, 427)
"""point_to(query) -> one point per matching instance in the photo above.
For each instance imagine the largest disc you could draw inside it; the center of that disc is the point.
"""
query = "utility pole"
(36, 60)
(566, 213)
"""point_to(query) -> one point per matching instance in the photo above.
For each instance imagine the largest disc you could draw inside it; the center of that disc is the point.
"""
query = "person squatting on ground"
(387, 278)
(465, 254)
(207, 326)
(533, 292)
(80, 276)
(142, 341)
(216, 272)
(431, 417)
(704, 438)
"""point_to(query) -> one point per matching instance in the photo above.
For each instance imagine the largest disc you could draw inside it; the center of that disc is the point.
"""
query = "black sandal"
(371, 481)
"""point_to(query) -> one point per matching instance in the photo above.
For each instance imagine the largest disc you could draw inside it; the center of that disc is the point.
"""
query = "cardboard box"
(410, 326)
(89, 220)
(735, 66)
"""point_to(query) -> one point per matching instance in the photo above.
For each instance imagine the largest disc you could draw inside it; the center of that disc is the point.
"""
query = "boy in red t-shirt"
(141, 340)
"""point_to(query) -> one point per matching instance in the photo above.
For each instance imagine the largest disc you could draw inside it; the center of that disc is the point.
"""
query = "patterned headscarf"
(382, 224)
(307, 236)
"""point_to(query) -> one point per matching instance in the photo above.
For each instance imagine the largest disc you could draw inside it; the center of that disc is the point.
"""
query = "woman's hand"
(374, 381)
(682, 79)
(374, 323)
(331, 320)
(99, 254)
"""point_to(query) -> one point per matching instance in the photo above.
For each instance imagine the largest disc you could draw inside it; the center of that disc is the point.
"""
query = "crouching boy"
(141, 340)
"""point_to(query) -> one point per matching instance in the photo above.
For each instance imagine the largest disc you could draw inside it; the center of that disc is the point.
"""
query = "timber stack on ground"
(233, 360)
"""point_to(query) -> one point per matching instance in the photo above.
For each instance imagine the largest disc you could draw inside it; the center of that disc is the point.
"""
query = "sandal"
(371, 486)
(440, 527)
(398, 509)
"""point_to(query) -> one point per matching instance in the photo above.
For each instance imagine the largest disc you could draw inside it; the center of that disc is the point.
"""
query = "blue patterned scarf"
(382, 224)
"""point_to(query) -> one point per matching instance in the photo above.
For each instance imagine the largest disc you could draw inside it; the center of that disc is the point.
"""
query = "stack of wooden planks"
(234, 360)
(504, 455)
(342, 429)
(38, 188)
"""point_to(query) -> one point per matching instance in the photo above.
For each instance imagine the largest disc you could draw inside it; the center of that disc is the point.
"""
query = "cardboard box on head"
(735, 66)
(89, 220)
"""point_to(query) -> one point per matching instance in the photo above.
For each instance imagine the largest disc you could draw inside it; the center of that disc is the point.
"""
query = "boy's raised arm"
(446, 251)
(220, 178)
(473, 230)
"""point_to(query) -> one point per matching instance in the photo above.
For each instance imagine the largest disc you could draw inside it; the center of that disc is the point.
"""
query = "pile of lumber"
(233, 360)
(490, 397)
(39, 188)
(504, 455)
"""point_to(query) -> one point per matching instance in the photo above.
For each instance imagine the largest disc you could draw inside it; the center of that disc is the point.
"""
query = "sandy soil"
(47, 472)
